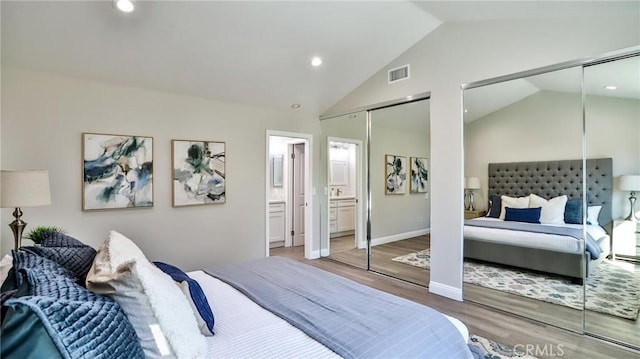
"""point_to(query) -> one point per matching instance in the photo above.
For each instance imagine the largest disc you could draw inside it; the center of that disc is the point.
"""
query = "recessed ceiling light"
(295, 106)
(316, 61)
(610, 87)
(465, 110)
(353, 116)
(124, 5)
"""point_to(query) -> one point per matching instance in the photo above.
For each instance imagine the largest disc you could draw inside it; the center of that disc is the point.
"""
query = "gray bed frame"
(547, 179)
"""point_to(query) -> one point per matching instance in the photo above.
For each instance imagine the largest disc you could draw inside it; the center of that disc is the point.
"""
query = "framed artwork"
(117, 171)
(419, 175)
(198, 172)
(395, 174)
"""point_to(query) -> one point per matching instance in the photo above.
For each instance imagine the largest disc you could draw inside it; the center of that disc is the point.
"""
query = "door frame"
(360, 239)
(309, 224)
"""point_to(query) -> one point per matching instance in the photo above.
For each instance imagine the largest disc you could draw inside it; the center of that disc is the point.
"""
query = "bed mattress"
(245, 329)
(556, 243)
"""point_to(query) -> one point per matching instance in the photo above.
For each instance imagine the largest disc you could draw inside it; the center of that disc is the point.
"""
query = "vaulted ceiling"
(247, 52)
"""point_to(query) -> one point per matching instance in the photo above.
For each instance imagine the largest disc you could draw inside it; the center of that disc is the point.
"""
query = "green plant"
(38, 234)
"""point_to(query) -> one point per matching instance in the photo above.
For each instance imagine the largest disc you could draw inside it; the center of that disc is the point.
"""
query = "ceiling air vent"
(398, 74)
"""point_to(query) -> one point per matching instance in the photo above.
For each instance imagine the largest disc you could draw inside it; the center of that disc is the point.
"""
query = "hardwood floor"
(487, 322)
(343, 251)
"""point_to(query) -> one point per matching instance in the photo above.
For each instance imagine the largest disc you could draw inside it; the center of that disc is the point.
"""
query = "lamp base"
(632, 213)
(17, 227)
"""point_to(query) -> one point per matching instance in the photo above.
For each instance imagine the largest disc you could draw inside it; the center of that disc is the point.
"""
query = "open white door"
(298, 188)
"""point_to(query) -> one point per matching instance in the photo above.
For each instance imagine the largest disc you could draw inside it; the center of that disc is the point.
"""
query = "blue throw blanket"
(353, 320)
(592, 246)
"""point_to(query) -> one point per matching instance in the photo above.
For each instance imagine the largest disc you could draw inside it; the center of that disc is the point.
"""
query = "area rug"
(483, 348)
(612, 288)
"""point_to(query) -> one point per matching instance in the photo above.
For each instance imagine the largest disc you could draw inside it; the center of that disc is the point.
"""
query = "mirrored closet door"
(523, 141)
(343, 153)
(612, 129)
(399, 177)
(376, 165)
(531, 139)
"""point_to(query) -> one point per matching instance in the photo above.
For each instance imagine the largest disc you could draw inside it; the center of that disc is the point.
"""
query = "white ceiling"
(247, 52)
(251, 52)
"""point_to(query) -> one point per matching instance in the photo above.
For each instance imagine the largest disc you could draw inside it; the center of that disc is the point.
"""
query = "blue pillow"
(573, 211)
(529, 215)
(198, 298)
(495, 206)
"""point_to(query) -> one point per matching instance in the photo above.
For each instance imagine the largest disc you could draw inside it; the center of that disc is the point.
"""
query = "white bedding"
(243, 329)
(552, 242)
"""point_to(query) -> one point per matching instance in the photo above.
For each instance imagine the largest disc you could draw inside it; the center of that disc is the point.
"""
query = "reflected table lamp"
(23, 189)
(471, 184)
(630, 183)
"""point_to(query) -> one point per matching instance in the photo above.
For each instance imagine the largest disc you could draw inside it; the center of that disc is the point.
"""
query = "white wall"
(44, 115)
(542, 127)
(548, 126)
(458, 53)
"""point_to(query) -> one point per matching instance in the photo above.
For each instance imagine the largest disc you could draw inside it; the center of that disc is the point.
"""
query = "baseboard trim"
(314, 254)
(399, 237)
(445, 290)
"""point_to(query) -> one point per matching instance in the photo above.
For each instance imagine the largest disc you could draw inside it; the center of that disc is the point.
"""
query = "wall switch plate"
(325, 191)
(426, 195)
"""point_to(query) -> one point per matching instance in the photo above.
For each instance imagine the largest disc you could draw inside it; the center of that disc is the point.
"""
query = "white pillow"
(552, 210)
(512, 202)
(155, 306)
(593, 214)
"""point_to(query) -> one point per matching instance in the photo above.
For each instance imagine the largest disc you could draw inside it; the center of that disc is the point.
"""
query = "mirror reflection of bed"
(524, 139)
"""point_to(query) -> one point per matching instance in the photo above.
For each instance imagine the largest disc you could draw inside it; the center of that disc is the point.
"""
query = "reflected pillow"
(495, 206)
(593, 214)
(528, 215)
(552, 210)
(573, 211)
(512, 202)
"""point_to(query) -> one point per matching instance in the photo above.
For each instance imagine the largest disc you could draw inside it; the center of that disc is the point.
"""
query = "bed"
(267, 308)
(552, 253)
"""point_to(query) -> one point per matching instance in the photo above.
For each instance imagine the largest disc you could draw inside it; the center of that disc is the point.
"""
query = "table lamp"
(23, 189)
(630, 183)
(470, 184)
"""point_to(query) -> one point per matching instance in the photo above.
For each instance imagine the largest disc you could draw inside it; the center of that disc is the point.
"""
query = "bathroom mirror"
(276, 170)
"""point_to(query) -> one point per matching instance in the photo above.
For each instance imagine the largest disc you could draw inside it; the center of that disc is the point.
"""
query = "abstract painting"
(117, 171)
(419, 175)
(395, 174)
(198, 172)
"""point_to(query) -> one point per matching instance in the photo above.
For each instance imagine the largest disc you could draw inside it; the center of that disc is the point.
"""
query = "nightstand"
(474, 214)
(626, 239)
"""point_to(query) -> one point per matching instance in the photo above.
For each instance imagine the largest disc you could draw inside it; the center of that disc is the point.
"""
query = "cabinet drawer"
(346, 203)
(276, 207)
(333, 227)
(333, 214)
(333, 204)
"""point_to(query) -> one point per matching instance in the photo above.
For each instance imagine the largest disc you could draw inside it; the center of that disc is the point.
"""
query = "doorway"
(344, 179)
(288, 197)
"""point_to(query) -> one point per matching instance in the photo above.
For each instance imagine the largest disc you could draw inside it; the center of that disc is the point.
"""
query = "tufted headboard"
(549, 179)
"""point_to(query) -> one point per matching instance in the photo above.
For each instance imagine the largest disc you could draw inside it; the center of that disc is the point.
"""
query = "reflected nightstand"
(474, 214)
(626, 240)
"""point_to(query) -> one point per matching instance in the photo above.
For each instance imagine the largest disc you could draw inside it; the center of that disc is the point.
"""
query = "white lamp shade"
(24, 189)
(472, 183)
(629, 183)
